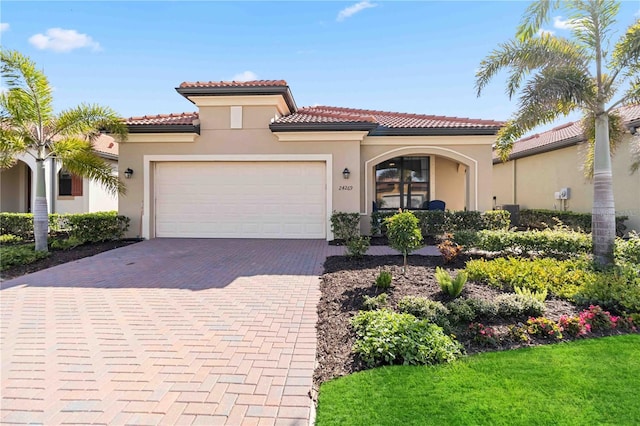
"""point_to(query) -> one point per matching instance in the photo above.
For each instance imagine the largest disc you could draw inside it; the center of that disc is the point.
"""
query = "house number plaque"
(345, 188)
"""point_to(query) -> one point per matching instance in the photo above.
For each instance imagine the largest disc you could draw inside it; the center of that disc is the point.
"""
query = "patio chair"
(436, 205)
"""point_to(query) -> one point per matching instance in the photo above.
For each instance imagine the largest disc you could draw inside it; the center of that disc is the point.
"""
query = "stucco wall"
(538, 177)
(255, 139)
(12, 188)
(450, 186)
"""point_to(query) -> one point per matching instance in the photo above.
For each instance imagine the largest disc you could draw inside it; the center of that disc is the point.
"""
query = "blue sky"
(417, 57)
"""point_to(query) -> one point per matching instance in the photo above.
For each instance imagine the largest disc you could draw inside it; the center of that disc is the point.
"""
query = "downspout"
(53, 186)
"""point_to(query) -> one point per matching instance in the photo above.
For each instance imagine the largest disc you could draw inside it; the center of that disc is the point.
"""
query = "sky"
(416, 57)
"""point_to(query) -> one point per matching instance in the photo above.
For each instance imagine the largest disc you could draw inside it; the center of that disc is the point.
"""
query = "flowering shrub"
(574, 326)
(598, 319)
(485, 336)
(544, 327)
(518, 333)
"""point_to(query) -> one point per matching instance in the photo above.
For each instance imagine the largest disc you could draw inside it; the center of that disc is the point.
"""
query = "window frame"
(401, 161)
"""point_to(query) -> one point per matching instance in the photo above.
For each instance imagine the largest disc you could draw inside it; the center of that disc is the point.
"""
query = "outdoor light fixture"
(128, 173)
(346, 173)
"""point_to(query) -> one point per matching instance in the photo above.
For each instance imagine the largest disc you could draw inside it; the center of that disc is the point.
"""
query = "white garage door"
(240, 199)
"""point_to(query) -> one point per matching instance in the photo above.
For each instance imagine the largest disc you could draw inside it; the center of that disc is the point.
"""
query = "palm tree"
(555, 76)
(28, 125)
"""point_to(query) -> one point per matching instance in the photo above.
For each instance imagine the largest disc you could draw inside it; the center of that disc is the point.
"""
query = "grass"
(583, 382)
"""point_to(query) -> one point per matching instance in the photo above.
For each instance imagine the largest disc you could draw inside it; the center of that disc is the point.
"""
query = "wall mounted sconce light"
(346, 173)
(128, 173)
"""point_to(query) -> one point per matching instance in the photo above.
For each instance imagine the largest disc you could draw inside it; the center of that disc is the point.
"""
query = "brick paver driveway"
(166, 331)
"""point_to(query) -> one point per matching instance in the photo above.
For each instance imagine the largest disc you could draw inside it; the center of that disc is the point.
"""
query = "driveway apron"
(166, 331)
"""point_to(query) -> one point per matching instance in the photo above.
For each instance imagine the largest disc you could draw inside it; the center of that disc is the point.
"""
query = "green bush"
(542, 219)
(518, 305)
(65, 244)
(357, 246)
(385, 337)
(452, 286)
(86, 227)
(550, 241)
(377, 302)
(628, 251)
(404, 234)
(562, 278)
(436, 222)
(496, 220)
(424, 308)
(345, 226)
(466, 310)
(18, 224)
(538, 295)
(10, 239)
(19, 255)
(617, 290)
(383, 280)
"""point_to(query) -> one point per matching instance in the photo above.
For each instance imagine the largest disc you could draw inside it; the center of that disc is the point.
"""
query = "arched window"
(69, 184)
(402, 182)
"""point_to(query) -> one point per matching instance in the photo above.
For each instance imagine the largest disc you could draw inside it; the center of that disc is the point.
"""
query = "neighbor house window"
(402, 183)
(69, 184)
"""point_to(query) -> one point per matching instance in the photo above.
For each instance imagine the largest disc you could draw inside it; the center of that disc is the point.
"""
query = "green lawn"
(587, 382)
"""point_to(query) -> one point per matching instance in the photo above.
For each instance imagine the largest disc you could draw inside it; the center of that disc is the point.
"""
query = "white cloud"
(245, 76)
(61, 40)
(561, 24)
(637, 14)
(4, 27)
(347, 12)
(542, 31)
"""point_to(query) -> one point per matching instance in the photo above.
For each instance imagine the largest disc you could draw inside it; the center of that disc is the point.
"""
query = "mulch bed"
(58, 257)
(346, 281)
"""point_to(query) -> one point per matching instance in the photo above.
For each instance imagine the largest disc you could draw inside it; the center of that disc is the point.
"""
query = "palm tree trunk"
(40, 213)
(603, 221)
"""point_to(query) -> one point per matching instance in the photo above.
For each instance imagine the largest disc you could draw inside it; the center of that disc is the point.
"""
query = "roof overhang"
(321, 127)
(164, 128)
(435, 131)
(564, 143)
(283, 91)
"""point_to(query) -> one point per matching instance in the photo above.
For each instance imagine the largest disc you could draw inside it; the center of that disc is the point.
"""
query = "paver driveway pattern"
(166, 331)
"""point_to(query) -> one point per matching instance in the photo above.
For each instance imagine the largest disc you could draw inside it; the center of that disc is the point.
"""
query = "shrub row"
(86, 227)
(548, 241)
(541, 219)
(437, 222)
(19, 255)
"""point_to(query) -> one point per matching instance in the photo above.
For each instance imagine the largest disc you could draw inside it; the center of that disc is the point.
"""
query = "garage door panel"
(241, 199)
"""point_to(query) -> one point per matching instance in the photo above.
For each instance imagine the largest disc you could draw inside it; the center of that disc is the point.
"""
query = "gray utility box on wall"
(514, 209)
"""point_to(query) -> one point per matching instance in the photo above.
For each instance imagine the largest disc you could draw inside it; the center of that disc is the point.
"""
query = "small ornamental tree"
(404, 234)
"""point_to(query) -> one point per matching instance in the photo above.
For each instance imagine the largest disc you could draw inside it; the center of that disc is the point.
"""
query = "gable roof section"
(563, 136)
(381, 123)
(184, 122)
(105, 146)
(238, 88)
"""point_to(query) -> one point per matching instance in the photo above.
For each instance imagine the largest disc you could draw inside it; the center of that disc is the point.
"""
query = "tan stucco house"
(251, 164)
(544, 171)
(66, 193)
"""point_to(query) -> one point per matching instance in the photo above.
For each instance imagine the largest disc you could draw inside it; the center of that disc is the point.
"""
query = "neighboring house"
(66, 193)
(545, 171)
(251, 164)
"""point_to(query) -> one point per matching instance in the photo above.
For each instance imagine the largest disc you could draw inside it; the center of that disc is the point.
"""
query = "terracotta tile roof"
(182, 118)
(562, 135)
(105, 144)
(252, 83)
(397, 120)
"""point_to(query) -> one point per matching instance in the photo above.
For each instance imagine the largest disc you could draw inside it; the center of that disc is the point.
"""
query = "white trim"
(149, 159)
(320, 136)
(427, 150)
(161, 137)
(432, 140)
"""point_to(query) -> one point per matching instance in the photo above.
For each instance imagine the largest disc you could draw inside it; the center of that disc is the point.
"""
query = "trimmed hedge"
(437, 222)
(86, 227)
(542, 219)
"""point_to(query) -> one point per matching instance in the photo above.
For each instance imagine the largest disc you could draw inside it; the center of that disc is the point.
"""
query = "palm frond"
(84, 162)
(593, 21)
(11, 144)
(536, 14)
(626, 53)
(89, 121)
(523, 57)
(561, 88)
(28, 89)
(616, 134)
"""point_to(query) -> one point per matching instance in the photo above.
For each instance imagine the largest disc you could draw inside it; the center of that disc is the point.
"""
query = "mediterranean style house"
(251, 164)
(544, 171)
(66, 193)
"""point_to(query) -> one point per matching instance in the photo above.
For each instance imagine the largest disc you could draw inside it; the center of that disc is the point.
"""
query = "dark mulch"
(346, 281)
(57, 257)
